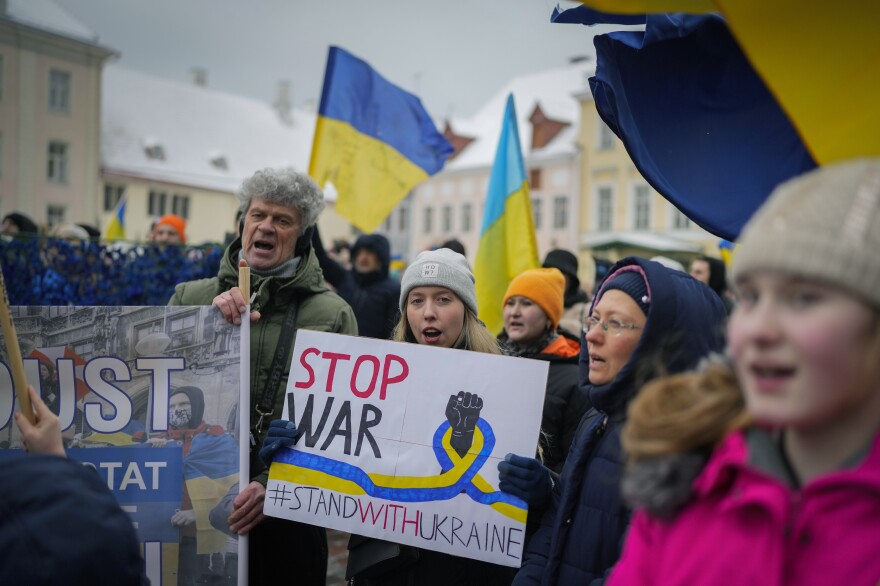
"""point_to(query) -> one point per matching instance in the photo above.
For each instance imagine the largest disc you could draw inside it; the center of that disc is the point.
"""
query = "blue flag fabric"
(698, 122)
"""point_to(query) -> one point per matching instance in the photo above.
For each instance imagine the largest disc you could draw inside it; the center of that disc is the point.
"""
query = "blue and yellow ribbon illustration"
(458, 475)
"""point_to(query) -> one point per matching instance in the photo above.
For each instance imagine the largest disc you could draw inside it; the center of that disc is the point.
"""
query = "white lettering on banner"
(132, 475)
(404, 519)
(112, 414)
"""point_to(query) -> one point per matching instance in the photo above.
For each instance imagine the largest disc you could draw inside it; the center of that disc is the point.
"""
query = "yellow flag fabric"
(819, 61)
(373, 141)
(507, 243)
(116, 228)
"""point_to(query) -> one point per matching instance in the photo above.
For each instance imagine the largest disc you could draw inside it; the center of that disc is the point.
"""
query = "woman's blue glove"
(526, 478)
(281, 433)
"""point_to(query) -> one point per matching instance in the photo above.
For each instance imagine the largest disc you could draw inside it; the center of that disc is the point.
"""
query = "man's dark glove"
(526, 478)
(281, 433)
(462, 411)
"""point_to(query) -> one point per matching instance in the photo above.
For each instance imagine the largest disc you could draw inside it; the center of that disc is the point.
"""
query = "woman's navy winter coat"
(581, 532)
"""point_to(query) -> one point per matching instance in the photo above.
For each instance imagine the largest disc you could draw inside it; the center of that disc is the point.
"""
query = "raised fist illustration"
(462, 411)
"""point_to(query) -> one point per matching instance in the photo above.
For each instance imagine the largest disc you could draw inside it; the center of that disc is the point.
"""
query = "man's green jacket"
(319, 309)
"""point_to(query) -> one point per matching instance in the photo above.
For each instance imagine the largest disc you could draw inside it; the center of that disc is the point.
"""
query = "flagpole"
(244, 410)
(13, 351)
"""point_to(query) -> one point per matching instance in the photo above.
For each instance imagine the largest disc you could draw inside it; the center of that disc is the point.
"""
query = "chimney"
(282, 104)
(197, 75)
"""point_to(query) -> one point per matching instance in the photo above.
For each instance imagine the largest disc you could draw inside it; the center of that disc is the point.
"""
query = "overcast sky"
(454, 54)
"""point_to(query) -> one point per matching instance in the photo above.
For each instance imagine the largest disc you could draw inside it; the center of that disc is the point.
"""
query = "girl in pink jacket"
(770, 473)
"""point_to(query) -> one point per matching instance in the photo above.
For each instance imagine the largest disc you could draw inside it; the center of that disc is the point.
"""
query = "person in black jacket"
(533, 306)
(372, 294)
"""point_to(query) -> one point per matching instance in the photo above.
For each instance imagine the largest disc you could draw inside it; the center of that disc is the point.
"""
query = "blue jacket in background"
(581, 532)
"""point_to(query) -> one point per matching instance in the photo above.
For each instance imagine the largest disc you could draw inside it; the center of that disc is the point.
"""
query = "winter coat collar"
(274, 291)
(733, 466)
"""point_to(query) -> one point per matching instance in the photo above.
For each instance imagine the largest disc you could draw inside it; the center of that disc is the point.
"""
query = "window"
(560, 211)
(387, 223)
(447, 219)
(403, 219)
(642, 207)
(679, 220)
(112, 195)
(180, 205)
(220, 162)
(55, 214)
(606, 137)
(428, 225)
(156, 203)
(84, 349)
(535, 178)
(467, 211)
(56, 171)
(59, 91)
(155, 152)
(183, 330)
(605, 208)
(536, 212)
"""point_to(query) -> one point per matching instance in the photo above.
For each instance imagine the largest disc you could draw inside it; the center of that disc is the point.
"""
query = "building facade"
(50, 105)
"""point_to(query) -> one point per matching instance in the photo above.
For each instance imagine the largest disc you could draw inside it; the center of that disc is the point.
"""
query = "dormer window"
(544, 128)
(154, 149)
(219, 161)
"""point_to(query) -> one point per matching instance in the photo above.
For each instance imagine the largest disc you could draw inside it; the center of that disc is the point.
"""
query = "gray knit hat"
(440, 268)
(824, 224)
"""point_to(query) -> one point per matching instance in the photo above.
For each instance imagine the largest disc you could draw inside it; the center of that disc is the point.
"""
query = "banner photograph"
(148, 397)
(402, 442)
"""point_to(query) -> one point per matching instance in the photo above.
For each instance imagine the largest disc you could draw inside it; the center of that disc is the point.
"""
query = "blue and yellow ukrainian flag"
(507, 244)
(827, 89)
(116, 228)
(373, 141)
(210, 468)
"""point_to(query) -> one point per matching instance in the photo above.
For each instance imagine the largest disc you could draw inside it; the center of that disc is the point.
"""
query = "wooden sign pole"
(14, 354)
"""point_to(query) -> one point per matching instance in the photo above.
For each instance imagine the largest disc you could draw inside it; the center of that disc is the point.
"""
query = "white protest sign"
(402, 442)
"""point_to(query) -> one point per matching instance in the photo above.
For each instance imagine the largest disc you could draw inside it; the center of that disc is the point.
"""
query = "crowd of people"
(694, 430)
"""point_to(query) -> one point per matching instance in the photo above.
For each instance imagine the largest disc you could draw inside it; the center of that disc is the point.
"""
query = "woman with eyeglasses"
(646, 320)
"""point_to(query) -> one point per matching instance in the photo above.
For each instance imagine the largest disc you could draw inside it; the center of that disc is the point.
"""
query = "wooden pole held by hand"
(14, 354)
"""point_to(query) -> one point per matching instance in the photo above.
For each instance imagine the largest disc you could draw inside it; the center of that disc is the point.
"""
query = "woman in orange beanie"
(533, 306)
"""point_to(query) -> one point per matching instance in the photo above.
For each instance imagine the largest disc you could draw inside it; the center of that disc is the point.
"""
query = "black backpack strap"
(266, 401)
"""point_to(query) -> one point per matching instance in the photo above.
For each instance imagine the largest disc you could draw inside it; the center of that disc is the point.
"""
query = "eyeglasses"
(611, 325)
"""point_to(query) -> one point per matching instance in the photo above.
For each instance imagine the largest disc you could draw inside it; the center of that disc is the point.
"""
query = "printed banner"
(148, 397)
(402, 442)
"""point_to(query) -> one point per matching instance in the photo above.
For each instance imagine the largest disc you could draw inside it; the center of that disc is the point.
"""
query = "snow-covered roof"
(49, 16)
(194, 126)
(552, 89)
